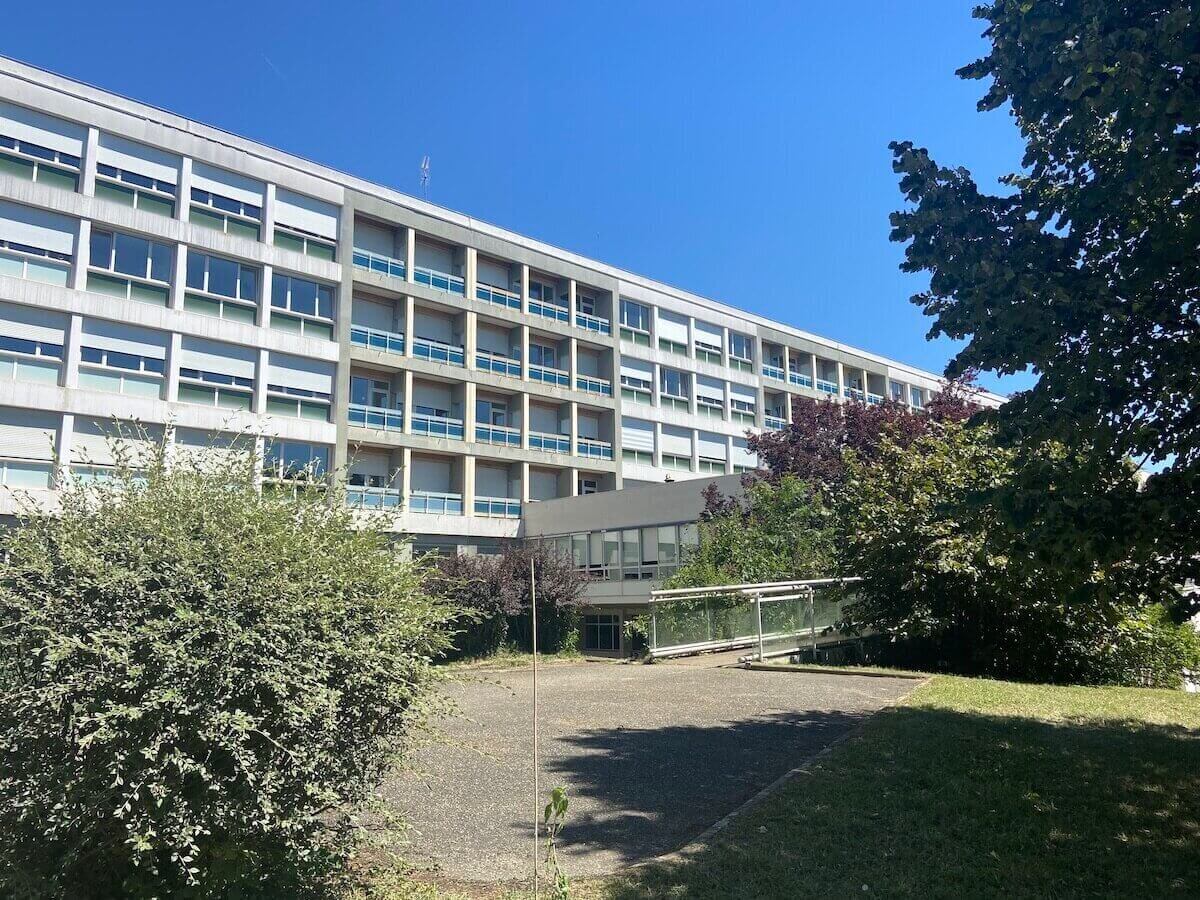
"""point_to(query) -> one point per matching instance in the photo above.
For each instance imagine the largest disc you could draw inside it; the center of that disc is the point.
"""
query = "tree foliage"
(199, 684)
(1084, 268)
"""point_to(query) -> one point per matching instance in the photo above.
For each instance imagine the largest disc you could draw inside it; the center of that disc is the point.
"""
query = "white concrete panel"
(298, 372)
(32, 324)
(227, 184)
(37, 228)
(133, 157)
(212, 356)
(105, 335)
(676, 440)
(29, 125)
(306, 213)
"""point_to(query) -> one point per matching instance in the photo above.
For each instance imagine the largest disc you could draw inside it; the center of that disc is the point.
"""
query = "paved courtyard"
(650, 756)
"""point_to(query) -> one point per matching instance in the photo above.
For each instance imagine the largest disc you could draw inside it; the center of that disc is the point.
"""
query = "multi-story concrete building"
(156, 269)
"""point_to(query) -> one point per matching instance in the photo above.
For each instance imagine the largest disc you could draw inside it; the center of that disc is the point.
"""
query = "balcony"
(437, 426)
(486, 361)
(497, 507)
(372, 498)
(497, 434)
(855, 394)
(550, 376)
(499, 296)
(374, 262)
(589, 384)
(827, 387)
(436, 351)
(439, 281)
(800, 379)
(775, 423)
(588, 322)
(374, 339)
(548, 310)
(435, 503)
(594, 449)
(775, 372)
(550, 443)
(874, 399)
(376, 417)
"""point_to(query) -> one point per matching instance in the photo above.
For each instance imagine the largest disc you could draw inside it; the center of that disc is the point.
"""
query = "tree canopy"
(1084, 267)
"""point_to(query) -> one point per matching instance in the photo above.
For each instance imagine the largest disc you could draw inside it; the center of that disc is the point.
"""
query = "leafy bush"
(481, 624)
(1147, 648)
(199, 684)
(559, 601)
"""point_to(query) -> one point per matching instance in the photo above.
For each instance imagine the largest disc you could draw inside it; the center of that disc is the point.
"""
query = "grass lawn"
(971, 788)
(509, 658)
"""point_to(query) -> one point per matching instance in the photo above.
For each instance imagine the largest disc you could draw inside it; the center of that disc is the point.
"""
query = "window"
(221, 287)
(674, 461)
(33, 162)
(25, 261)
(712, 465)
(897, 392)
(640, 457)
(585, 304)
(741, 351)
(29, 360)
(588, 486)
(131, 189)
(674, 388)
(120, 372)
(129, 267)
(225, 214)
(298, 387)
(540, 355)
(310, 306)
(915, 396)
(602, 632)
(636, 389)
(297, 403)
(369, 392)
(635, 322)
(300, 241)
(215, 389)
(295, 461)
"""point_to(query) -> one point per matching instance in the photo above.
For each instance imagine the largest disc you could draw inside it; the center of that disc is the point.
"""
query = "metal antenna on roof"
(425, 176)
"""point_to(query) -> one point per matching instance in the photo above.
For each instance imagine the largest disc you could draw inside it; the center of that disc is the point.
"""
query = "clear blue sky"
(738, 150)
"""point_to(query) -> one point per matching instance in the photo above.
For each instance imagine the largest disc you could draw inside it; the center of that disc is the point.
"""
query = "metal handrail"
(496, 362)
(437, 426)
(377, 262)
(549, 375)
(593, 385)
(376, 417)
(489, 293)
(800, 378)
(438, 351)
(435, 502)
(488, 434)
(498, 507)
(774, 372)
(594, 448)
(551, 443)
(827, 387)
(593, 323)
(373, 497)
(548, 310)
(377, 339)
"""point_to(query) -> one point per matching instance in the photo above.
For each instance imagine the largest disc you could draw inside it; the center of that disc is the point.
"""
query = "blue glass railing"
(548, 310)
(593, 323)
(494, 362)
(437, 426)
(874, 399)
(774, 422)
(374, 262)
(594, 449)
(774, 372)
(372, 498)
(827, 387)
(435, 502)
(497, 434)
(855, 394)
(499, 296)
(436, 351)
(592, 385)
(549, 376)
(498, 507)
(439, 281)
(551, 443)
(376, 417)
(799, 378)
(374, 339)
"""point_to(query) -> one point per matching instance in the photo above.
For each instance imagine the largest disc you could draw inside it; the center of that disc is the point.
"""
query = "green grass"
(509, 658)
(974, 788)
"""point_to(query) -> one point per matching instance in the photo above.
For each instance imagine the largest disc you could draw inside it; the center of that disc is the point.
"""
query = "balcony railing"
(774, 372)
(376, 417)
(874, 399)
(594, 449)
(551, 443)
(592, 385)
(827, 387)
(436, 503)
(497, 507)
(374, 262)
(437, 426)
(375, 339)
(588, 322)
(548, 310)
(550, 376)
(775, 422)
(799, 378)
(855, 394)
(491, 294)
(439, 281)
(497, 434)
(373, 498)
(486, 361)
(436, 351)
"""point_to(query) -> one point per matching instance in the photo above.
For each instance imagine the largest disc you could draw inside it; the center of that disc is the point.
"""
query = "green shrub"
(1147, 648)
(480, 626)
(199, 684)
(559, 596)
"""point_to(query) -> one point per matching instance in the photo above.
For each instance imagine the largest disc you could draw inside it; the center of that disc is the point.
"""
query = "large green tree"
(1085, 266)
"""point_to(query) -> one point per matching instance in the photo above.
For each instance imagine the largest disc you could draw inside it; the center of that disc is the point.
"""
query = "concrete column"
(87, 164)
(470, 337)
(174, 350)
(264, 300)
(726, 412)
(887, 388)
(841, 378)
(525, 338)
(83, 240)
(468, 485)
(656, 458)
(183, 190)
(524, 276)
(268, 216)
(469, 393)
(574, 476)
(408, 400)
(405, 472)
(760, 409)
(470, 272)
(179, 279)
(62, 449)
(729, 455)
(524, 482)
(410, 253)
(259, 403)
(724, 347)
(342, 317)
(410, 324)
(691, 338)
(812, 363)
(524, 421)
(654, 383)
(573, 357)
(572, 299)
(574, 419)
(74, 336)
(653, 325)
(695, 451)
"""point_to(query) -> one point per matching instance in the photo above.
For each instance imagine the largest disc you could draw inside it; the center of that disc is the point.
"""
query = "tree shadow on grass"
(936, 803)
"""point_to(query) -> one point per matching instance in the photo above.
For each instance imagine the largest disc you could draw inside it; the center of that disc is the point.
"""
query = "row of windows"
(629, 554)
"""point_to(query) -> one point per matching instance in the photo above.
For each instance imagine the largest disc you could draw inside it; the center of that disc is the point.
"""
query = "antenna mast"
(425, 176)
